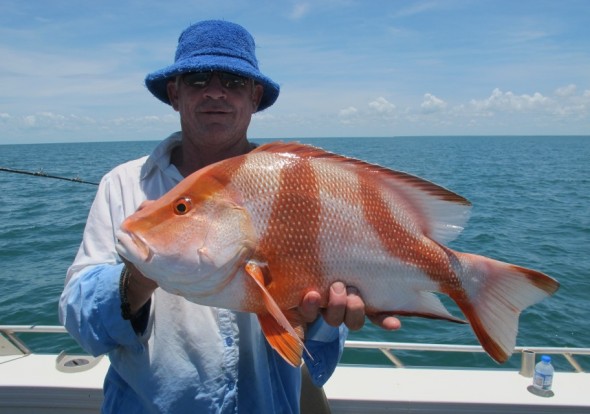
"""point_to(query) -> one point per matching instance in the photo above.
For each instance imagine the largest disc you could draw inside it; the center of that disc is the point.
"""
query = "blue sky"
(74, 70)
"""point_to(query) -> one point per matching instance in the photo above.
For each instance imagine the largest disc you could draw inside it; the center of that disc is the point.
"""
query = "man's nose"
(214, 89)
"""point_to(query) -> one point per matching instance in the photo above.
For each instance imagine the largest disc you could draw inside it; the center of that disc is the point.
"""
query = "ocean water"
(531, 207)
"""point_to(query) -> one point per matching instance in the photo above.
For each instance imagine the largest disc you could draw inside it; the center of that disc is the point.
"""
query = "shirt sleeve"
(118, 196)
(90, 304)
(325, 345)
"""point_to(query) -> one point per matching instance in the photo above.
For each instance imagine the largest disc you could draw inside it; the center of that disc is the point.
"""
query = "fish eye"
(182, 206)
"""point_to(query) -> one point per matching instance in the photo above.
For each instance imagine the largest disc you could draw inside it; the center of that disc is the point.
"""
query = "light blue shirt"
(185, 357)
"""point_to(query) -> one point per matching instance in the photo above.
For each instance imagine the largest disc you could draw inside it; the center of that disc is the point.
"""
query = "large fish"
(255, 233)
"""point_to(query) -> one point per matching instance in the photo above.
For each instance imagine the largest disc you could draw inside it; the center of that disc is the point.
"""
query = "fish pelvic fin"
(494, 294)
(282, 329)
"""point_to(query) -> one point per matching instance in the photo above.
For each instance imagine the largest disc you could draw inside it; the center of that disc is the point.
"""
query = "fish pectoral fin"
(282, 341)
(283, 330)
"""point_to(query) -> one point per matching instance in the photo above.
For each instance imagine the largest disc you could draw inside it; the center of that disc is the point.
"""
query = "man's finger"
(386, 321)
(310, 306)
(334, 313)
(354, 317)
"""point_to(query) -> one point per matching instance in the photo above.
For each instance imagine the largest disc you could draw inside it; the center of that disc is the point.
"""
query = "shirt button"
(229, 341)
(319, 376)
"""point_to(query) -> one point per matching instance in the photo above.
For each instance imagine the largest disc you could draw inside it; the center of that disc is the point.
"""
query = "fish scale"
(271, 225)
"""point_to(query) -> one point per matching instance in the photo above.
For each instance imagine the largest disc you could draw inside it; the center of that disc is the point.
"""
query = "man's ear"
(257, 93)
(172, 89)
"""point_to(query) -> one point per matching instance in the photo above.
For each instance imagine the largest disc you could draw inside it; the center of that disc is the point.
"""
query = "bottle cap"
(546, 358)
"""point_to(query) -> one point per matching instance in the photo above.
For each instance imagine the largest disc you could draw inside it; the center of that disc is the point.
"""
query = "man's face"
(214, 112)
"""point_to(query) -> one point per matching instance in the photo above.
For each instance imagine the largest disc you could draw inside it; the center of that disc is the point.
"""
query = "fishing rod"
(41, 173)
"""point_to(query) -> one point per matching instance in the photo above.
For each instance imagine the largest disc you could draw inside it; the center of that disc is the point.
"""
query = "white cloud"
(347, 112)
(299, 11)
(417, 8)
(508, 101)
(432, 104)
(30, 120)
(347, 115)
(382, 106)
(500, 112)
(46, 121)
(40, 124)
(571, 106)
(263, 116)
(568, 90)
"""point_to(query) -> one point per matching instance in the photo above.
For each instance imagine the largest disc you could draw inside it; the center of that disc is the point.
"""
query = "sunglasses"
(202, 79)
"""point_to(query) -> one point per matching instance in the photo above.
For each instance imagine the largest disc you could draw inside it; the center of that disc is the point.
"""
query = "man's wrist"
(135, 290)
(124, 281)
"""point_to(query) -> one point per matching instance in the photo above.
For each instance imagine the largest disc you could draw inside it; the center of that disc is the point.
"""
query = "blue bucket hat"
(214, 45)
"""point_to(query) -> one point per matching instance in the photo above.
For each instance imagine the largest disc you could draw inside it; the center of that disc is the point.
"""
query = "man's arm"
(90, 304)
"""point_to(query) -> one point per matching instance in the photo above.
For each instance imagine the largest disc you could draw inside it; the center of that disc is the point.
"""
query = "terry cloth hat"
(214, 45)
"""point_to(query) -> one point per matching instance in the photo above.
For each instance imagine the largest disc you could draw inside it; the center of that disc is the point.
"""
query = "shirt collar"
(160, 156)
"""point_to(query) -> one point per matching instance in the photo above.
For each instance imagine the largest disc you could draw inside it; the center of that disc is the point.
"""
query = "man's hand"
(344, 306)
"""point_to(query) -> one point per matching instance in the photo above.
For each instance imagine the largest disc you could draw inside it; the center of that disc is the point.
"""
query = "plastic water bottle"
(543, 377)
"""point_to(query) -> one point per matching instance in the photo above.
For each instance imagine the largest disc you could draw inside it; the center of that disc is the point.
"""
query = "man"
(168, 354)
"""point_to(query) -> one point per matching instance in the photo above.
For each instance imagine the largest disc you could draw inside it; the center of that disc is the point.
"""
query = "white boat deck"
(42, 384)
(419, 390)
(32, 384)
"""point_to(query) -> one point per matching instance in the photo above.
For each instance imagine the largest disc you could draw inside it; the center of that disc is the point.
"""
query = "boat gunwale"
(387, 348)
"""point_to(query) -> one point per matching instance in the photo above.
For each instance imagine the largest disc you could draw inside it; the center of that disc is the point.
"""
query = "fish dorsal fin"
(283, 330)
(302, 150)
(441, 213)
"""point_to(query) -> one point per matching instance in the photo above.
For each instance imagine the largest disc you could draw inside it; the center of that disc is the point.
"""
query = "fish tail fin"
(493, 295)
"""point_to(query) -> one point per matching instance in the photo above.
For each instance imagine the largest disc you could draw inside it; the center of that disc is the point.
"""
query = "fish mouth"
(133, 248)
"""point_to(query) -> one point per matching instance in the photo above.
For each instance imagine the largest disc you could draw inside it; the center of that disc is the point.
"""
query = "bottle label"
(543, 381)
